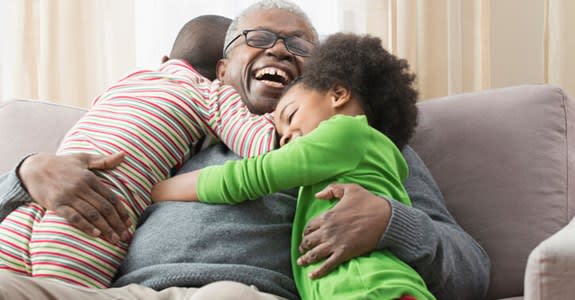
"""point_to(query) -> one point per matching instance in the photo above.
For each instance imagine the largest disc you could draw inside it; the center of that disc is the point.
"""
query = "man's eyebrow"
(260, 28)
(297, 33)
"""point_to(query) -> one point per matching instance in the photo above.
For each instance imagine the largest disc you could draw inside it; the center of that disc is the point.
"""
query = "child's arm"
(245, 133)
(322, 154)
(177, 188)
(216, 109)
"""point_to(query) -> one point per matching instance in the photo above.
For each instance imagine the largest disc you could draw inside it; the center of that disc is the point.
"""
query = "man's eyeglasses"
(263, 39)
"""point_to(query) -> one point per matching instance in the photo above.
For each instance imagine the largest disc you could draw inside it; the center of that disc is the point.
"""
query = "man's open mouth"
(273, 77)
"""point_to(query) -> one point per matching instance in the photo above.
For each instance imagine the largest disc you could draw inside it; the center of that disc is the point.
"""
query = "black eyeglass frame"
(286, 40)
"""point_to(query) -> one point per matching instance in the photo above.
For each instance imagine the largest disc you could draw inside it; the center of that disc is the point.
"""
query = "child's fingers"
(103, 162)
(334, 190)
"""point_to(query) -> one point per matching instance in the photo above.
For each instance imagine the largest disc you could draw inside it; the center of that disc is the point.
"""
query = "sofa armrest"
(550, 271)
(504, 161)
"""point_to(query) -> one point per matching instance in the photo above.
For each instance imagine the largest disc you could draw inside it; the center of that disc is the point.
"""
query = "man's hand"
(351, 228)
(65, 185)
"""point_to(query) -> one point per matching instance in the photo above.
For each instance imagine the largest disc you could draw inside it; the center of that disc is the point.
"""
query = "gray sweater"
(192, 244)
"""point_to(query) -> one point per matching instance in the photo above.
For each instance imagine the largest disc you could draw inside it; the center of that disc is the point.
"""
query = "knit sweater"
(321, 157)
(191, 244)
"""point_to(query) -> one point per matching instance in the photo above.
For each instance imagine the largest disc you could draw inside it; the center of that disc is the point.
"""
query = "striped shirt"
(155, 117)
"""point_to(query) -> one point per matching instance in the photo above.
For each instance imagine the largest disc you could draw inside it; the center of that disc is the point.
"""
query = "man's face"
(260, 75)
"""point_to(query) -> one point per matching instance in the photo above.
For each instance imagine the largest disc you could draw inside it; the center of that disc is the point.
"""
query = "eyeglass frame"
(285, 39)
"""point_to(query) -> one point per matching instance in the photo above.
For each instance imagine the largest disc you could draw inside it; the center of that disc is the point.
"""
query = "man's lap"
(15, 287)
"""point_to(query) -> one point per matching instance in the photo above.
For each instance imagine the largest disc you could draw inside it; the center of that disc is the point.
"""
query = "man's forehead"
(277, 20)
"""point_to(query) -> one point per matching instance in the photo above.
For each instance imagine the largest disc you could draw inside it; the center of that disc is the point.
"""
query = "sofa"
(504, 160)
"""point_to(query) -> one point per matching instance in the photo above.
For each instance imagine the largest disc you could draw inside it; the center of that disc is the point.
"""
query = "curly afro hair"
(380, 81)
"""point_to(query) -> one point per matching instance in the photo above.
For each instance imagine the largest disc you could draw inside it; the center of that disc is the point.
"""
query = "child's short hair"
(200, 43)
(378, 79)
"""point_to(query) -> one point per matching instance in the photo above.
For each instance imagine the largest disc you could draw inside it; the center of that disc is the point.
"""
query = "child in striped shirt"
(155, 117)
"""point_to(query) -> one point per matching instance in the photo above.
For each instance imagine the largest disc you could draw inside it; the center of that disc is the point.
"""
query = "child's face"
(300, 110)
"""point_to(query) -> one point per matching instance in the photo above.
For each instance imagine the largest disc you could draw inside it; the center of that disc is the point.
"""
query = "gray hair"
(287, 5)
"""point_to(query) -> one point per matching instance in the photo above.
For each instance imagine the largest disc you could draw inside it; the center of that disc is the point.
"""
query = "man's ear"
(221, 68)
(165, 59)
(340, 96)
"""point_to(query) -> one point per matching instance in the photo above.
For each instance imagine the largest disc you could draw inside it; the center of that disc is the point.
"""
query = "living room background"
(68, 51)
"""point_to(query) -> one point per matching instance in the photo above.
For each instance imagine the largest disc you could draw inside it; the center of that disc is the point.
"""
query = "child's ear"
(165, 59)
(221, 68)
(340, 95)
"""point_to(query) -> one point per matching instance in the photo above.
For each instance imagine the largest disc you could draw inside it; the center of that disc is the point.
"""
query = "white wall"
(157, 22)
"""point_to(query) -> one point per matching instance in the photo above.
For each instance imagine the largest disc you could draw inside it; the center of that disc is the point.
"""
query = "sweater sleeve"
(427, 237)
(308, 160)
(12, 193)
(245, 133)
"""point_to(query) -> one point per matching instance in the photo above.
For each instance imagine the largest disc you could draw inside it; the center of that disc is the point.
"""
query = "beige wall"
(516, 42)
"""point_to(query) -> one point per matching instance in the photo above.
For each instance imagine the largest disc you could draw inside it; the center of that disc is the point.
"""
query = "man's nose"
(280, 50)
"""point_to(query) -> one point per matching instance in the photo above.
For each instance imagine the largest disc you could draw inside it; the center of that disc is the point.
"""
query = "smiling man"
(179, 248)
(268, 57)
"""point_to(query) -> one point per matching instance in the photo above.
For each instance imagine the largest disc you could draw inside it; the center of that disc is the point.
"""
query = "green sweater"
(342, 149)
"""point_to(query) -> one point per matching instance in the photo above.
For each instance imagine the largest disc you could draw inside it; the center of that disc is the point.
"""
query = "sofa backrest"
(32, 126)
(504, 160)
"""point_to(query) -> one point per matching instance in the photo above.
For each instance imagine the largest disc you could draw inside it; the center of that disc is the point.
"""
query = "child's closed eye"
(290, 117)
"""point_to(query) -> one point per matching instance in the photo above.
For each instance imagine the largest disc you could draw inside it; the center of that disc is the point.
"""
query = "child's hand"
(177, 188)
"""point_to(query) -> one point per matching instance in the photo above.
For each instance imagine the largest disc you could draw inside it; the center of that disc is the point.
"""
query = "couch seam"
(43, 102)
(566, 135)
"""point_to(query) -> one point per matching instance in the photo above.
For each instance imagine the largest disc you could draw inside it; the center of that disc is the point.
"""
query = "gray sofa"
(504, 159)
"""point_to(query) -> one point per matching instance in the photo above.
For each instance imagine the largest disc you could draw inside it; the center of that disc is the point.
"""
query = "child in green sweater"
(345, 120)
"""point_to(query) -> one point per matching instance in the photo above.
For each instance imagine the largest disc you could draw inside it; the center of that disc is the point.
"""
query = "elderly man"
(180, 247)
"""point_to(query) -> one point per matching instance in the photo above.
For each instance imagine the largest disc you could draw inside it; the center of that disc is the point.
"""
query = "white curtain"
(64, 51)
(559, 44)
(459, 46)
(68, 51)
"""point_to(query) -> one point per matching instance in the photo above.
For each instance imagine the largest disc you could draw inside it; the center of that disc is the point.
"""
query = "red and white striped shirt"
(155, 116)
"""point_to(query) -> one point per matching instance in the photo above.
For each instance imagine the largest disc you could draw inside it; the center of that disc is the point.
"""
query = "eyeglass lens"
(267, 39)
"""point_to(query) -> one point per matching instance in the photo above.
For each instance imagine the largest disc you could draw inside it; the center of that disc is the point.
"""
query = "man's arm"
(426, 236)
(65, 185)
(12, 193)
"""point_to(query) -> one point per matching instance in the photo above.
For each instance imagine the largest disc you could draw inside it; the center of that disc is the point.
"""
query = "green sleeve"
(324, 153)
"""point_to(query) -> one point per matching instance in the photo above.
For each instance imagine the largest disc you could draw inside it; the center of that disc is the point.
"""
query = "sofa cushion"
(32, 126)
(504, 162)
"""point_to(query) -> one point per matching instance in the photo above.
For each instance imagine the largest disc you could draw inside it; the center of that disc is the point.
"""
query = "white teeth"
(272, 71)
